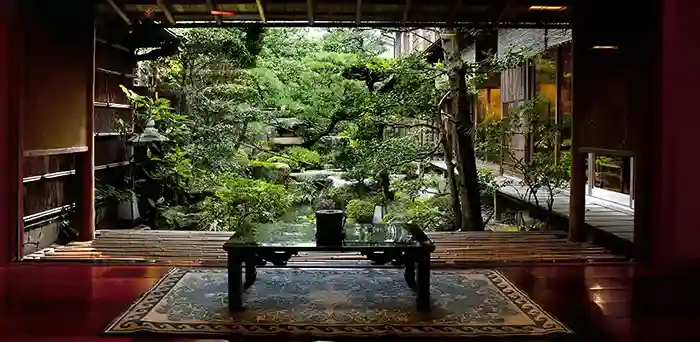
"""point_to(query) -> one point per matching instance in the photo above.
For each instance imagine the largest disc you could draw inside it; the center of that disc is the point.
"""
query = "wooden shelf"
(112, 72)
(111, 165)
(55, 151)
(107, 134)
(59, 174)
(51, 175)
(49, 212)
(111, 105)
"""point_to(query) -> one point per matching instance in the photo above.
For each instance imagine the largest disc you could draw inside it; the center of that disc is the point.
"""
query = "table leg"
(235, 290)
(410, 273)
(250, 273)
(423, 297)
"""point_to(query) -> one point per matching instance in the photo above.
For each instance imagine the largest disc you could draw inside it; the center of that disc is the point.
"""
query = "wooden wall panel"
(37, 166)
(49, 194)
(603, 79)
(113, 58)
(106, 119)
(56, 54)
(109, 150)
(513, 83)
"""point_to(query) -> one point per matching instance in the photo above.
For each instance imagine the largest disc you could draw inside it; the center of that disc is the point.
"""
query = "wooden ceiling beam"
(504, 10)
(212, 7)
(455, 11)
(358, 13)
(406, 10)
(164, 8)
(373, 24)
(310, 11)
(119, 12)
(261, 10)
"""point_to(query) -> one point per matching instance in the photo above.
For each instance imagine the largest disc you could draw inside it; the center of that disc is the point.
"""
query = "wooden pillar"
(10, 107)
(85, 205)
(577, 186)
(6, 162)
(667, 227)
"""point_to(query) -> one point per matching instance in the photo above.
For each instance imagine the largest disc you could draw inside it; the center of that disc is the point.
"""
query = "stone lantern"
(151, 187)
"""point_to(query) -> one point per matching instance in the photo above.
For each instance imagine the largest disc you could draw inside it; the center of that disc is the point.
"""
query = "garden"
(262, 127)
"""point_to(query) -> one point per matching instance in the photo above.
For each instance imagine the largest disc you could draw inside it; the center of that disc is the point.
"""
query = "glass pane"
(612, 173)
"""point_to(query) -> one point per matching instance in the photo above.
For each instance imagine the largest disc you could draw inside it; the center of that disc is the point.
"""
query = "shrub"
(244, 202)
(241, 160)
(487, 183)
(429, 213)
(271, 172)
(362, 211)
(303, 192)
(342, 195)
(407, 168)
(305, 158)
(278, 159)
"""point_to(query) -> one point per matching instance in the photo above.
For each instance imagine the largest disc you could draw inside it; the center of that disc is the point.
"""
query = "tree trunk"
(446, 142)
(310, 142)
(463, 193)
(469, 181)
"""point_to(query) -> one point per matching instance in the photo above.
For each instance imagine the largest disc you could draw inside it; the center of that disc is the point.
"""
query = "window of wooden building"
(489, 104)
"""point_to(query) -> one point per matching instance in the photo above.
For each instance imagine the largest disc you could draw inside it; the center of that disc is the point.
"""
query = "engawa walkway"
(454, 249)
(600, 215)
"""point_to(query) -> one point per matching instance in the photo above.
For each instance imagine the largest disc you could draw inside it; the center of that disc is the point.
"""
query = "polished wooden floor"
(74, 302)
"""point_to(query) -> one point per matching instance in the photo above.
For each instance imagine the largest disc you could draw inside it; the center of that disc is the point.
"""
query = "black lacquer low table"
(401, 245)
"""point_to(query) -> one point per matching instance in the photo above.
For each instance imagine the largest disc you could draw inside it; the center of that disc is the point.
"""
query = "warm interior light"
(222, 13)
(547, 8)
(604, 47)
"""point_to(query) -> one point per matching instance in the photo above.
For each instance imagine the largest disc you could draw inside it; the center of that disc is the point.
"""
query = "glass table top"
(302, 235)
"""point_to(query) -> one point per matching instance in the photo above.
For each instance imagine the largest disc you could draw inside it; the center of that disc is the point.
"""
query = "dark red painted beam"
(10, 200)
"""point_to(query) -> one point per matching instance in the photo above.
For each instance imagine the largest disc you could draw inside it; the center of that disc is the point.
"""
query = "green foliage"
(293, 164)
(174, 126)
(367, 158)
(429, 213)
(411, 189)
(211, 53)
(108, 196)
(353, 41)
(180, 217)
(231, 85)
(175, 171)
(488, 184)
(170, 171)
(342, 195)
(244, 202)
(303, 193)
(543, 170)
(477, 73)
(304, 158)
(269, 171)
(360, 210)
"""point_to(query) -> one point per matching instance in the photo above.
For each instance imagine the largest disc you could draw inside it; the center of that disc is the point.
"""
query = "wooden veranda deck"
(604, 221)
(188, 248)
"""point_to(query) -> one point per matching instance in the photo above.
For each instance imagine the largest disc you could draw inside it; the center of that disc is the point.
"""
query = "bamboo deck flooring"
(180, 248)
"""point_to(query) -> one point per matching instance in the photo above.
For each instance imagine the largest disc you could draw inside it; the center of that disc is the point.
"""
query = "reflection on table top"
(302, 236)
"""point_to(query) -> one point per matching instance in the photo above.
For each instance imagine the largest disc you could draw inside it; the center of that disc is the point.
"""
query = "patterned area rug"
(337, 303)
